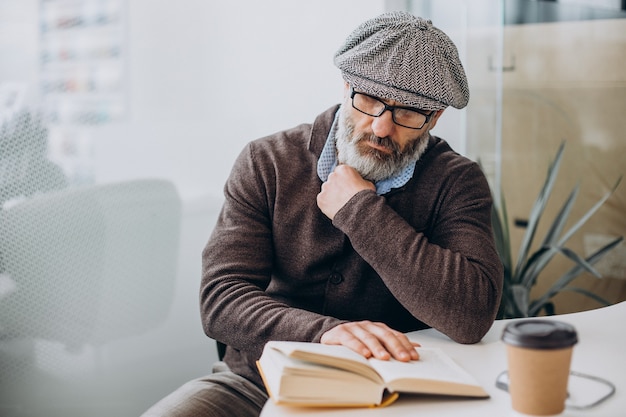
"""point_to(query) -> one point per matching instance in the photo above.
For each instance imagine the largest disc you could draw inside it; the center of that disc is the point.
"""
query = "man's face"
(375, 146)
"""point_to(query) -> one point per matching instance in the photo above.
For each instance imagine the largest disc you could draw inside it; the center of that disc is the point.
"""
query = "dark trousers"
(221, 394)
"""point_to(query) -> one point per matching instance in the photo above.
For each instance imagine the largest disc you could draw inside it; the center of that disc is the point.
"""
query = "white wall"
(207, 77)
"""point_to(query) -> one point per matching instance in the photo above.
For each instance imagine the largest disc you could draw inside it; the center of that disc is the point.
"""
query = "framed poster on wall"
(83, 78)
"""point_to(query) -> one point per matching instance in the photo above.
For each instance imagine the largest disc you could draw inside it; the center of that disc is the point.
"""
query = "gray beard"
(372, 164)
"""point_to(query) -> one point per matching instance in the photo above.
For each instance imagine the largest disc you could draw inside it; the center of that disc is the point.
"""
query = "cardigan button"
(336, 278)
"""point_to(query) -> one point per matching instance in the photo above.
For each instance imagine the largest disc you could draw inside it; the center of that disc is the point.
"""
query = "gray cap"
(404, 58)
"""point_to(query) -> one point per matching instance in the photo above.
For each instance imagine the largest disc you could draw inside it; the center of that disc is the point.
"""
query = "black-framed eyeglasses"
(409, 117)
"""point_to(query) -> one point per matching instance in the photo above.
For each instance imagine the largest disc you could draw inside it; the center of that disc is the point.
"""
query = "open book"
(312, 374)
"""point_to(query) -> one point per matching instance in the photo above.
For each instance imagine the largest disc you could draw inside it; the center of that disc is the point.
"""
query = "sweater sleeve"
(236, 269)
(448, 276)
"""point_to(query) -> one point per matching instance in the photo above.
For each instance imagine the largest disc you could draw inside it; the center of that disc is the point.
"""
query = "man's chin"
(373, 170)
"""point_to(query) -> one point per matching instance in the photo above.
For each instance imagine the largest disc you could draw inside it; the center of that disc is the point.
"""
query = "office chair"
(90, 265)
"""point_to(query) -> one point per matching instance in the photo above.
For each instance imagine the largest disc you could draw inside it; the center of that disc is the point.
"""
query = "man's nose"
(383, 125)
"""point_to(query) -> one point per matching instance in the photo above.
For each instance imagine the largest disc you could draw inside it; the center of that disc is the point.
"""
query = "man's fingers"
(373, 339)
(348, 335)
(396, 343)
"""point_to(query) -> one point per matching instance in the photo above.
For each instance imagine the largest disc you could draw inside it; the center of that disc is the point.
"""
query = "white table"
(600, 352)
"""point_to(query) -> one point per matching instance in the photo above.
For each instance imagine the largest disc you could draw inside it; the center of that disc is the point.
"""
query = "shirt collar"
(328, 161)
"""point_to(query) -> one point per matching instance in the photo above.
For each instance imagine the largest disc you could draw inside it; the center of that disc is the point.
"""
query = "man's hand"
(372, 339)
(343, 183)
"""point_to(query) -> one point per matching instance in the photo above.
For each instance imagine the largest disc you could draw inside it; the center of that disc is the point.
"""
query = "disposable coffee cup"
(539, 354)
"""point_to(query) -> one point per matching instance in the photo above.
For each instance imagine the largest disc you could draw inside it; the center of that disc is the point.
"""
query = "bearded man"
(352, 230)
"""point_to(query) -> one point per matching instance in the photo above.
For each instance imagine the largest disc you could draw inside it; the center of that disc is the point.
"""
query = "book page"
(433, 364)
(329, 355)
(301, 372)
(293, 381)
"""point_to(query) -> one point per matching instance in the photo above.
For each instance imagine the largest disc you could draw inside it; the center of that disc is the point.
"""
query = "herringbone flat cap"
(405, 58)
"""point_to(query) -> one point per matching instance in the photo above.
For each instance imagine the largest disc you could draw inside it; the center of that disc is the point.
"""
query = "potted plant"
(521, 274)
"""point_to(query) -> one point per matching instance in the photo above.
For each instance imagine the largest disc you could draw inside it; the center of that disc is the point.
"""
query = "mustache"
(385, 142)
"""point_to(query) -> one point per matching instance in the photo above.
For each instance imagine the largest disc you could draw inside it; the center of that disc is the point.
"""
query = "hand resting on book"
(372, 339)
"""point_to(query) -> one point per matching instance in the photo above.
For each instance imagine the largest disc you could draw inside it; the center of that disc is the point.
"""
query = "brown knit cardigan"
(276, 268)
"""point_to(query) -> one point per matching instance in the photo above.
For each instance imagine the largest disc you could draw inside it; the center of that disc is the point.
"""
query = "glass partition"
(542, 74)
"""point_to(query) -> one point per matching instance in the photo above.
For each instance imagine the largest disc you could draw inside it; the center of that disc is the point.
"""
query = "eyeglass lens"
(375, 107)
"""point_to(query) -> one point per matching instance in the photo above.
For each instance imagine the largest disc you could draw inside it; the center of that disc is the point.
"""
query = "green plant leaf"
(521, 274)
(538, 208)
(500, 225)
(566, 278)
(558, 224)
(590, 213)
(549, 309)
(535, 264)
(541, 258)
(547, 306)
(521, 296)
(588, 294)
(580, 261)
